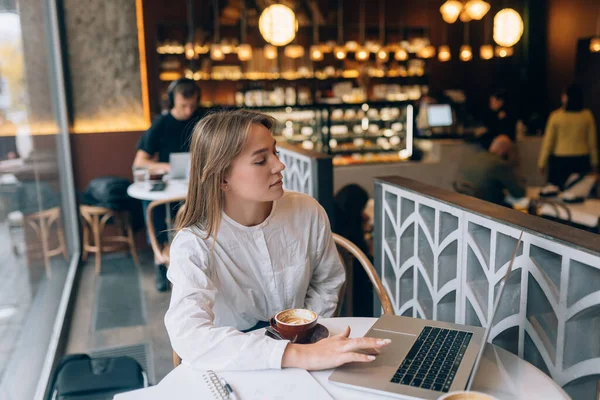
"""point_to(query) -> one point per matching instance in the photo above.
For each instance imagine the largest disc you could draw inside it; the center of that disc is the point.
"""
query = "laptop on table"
(425, 359)
(179, 165)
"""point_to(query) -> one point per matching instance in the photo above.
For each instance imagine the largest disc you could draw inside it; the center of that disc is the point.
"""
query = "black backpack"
(80, 377)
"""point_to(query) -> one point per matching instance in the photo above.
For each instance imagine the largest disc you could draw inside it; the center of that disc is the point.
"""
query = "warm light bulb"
(189, 51)
(216, 53)
(477, 9)
(466, 54)
(503, 52)
(315, 53)
(486, 52)
(352, 46)
(340, 52)
(508, 27)
(451, 10)
(595, 45)
(426, 52)
(444, 53)
(382, 56)
(270, 52)
(293, 51)
(401, 54)
(244, 52)
(362, 54)
(278, 25)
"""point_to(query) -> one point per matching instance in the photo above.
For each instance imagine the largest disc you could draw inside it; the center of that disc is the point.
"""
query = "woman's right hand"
(332, 352)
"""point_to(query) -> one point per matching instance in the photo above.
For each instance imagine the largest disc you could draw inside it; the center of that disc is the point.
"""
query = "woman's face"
(255, 174)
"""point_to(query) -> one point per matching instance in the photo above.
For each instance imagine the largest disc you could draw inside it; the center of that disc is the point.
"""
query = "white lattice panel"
(297, 175)
(444, 263)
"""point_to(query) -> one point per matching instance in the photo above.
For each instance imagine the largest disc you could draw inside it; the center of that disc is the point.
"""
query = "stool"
(41, 222)
(95, 218)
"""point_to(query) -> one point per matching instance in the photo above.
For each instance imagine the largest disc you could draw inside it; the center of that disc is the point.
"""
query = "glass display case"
(359, 133)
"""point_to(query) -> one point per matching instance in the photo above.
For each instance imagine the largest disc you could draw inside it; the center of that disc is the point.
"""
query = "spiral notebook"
(289, 384)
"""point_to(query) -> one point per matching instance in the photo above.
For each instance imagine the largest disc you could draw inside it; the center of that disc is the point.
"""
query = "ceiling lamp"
(401, 54)
(293, 51)
(339, 52)
(465, 16)
(278, 25)
(508, 27)
(504, 52)
(426, 52)
(451, 10)
(244, 52)
(486, 52)
(227, 47)
(352, 46)
(382, 56)
(216, 53)
(595, 45)
(444, 53)
(189, 51)
(316, 54)
(466, 53)
(477, 9)
(270, 52)
(362, 54)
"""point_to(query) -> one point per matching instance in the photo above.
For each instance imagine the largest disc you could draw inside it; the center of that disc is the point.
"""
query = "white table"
(501, 374)
(175, 188)
(586, 213)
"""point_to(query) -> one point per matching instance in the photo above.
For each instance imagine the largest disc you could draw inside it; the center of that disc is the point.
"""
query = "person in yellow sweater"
(570, 143)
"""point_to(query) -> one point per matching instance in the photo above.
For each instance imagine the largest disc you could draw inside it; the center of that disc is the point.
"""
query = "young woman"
(247, 249)
(570, 143)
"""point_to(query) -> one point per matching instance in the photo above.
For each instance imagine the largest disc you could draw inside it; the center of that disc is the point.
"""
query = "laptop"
(425, 359)
(180, 165)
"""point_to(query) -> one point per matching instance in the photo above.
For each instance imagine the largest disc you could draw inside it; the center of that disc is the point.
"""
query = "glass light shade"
(315, 53)
(189, 51)
(444, 53)
(270, 52)
(278, 25)
(486, 52)
(503, 52)
(244, 52)
(352, 46)
(340, 52)
(508, 27)
(382, 56)
(450, 10)
(477, 9)
(362, 54)
(464, 16)
(427, 52)
(373, 47)
(595, 45)
(293, 51)
(401, 54)
(216, 53)
(201, 49)
(466, 53)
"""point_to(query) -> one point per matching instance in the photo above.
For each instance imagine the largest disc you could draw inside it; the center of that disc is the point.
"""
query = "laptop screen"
(439, 115)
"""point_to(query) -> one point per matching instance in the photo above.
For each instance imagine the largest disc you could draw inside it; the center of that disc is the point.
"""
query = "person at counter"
(499, 121)
(570, 143)
(246, 249)
(169, 133)
(489, 173)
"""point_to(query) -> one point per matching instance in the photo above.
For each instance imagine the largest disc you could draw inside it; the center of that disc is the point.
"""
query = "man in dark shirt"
(499, 121)
(169, 133)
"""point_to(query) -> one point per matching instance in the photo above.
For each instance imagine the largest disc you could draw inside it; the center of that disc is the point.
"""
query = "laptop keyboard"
(433, 359)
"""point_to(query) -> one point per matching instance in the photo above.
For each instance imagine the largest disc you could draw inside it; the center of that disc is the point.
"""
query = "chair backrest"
(347, 245)
(150, 225)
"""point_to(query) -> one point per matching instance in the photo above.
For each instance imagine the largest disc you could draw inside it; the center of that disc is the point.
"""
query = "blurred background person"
(570, 143)
(499, 120)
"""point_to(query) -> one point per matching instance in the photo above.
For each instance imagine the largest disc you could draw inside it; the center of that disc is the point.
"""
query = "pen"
(232, 395)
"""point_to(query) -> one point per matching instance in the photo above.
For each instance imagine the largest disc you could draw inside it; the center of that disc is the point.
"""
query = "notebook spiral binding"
(214, 384)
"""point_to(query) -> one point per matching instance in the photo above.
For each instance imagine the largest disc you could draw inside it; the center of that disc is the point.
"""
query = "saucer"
(319, 333)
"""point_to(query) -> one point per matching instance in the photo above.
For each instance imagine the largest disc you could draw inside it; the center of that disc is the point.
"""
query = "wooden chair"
(161, 256)
(94, 219)
(351, 248)
(42, 222)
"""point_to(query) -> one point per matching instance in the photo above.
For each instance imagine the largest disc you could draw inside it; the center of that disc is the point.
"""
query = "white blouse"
(288, 261)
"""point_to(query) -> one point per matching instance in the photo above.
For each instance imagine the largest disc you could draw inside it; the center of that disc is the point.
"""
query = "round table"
(174, 188)
(501, 374)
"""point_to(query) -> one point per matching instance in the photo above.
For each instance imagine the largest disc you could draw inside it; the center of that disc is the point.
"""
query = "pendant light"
(401, 54)
(216, 53)
(444, 54)
(466, 53)
(508, 27)
(244, 50)
(503, 52)
(339, 51)
(477, 9)
(316, 52)
(190, 51)
(486, 51)
(270, 52)
(595, 42)
(362, 54)
(382, 53)
(278, 24)
(450, 10)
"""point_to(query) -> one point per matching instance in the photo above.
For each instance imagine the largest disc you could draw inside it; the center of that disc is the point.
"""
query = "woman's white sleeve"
(189, 319)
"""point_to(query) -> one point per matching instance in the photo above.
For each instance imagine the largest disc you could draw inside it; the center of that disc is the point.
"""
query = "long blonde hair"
(217, 139)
